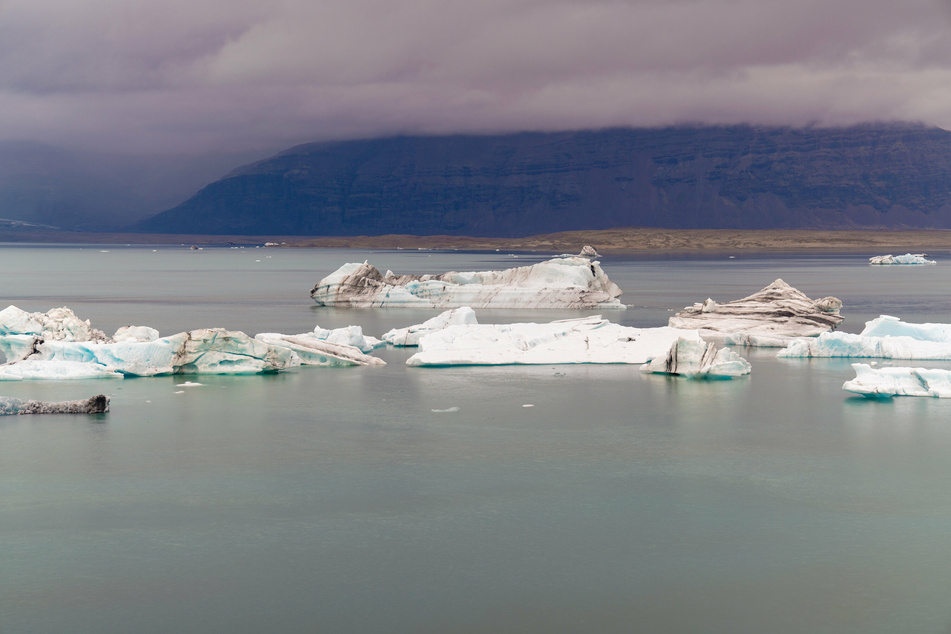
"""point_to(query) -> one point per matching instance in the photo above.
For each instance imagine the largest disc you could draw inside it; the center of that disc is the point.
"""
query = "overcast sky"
(210, 75)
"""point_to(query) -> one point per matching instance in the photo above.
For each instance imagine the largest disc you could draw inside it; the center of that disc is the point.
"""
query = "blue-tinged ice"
(899, 381)
(908, 258)
(698, 360)
(884, 338)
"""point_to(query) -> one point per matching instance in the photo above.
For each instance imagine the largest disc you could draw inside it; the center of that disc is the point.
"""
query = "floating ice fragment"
(885, 337)
(572, 282)
(770, 317)
(410, 336)
(585, 340)
(311, 350)
(98, 404)
(908, 258)
(697, 359)
(899, 381)
(448, 410)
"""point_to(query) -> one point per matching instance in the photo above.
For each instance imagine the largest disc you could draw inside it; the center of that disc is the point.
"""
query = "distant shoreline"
(627, 240)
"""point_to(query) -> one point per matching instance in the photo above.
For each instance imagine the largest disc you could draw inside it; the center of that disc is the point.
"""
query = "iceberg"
(585, 340)
(58, 323)
(95, 405)
(313, 350)
(771, 317)
(908, 258)
(884, 337)
(889, 382)
(698, 360)
(347, 336)
(567, 282)
(203, 351)
(410, 335)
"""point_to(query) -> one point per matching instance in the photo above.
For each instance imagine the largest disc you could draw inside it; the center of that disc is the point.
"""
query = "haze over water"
(328, 499)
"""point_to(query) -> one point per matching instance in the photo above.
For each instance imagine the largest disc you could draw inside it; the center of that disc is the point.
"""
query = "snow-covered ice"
(94, 405)
(57, 323)
(908, 258)
(410, 335)
(312, 350)
(569, 282)
(884, 337)
(585, 340)
(697, 359)
(771, 317)
(895, 381)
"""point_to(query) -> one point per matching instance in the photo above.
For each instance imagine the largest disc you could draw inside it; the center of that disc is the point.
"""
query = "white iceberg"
(888, 382)
(98, 404)
(883, 338)
(56, 324)
(908, 258)
(312, 350)
(347, 336)
(771, 317)
(586, 340)
(571, 282)
(697, 359)
(203, 351)
(410, 336)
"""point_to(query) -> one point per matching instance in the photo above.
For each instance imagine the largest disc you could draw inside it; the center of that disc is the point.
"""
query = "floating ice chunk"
(95, 405)
(842, 344)
(697, 359)
(58, 323)
(203, 351)
(572, 282)
(135, 333)
(348, 336)
(448, 410)
(770, 317)
(59, 370)
(888, 326)
(888, 382)
(586, 340)
(314, 351)
(908, 258)
(410, 336)
(17, 347)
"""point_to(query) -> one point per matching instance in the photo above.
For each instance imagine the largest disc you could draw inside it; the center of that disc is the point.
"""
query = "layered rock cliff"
(737, 177)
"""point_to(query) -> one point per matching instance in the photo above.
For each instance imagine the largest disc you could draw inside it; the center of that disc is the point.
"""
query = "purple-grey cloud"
(178, 75)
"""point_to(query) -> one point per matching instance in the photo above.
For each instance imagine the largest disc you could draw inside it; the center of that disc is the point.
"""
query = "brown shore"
(626, 240)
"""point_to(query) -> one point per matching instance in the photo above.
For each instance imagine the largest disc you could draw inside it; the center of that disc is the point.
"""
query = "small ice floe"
(884, 337)
(448, 410)
(528, 405)
(568, 341)
(179, 392)
(98, 404)
(410, 335)
(572, 282)
(698, 360)
(908, 258)
(770, 318)
(189, 384)
(899, 381)
(338, 347)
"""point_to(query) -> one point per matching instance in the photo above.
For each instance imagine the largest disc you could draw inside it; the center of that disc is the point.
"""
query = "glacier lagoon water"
(338, 500)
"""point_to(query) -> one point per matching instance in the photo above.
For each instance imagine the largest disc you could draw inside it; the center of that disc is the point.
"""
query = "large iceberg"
(884, 338)
(410, 335)
(908, 258)
(98, 404)
(770, 317)
(698, 360)
(586, 340)
(567, 282)
(888, 382)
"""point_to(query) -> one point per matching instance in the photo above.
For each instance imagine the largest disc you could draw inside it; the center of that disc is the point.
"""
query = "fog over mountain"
(737, 177)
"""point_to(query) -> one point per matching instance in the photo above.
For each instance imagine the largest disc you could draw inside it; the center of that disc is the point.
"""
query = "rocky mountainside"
(736, 177)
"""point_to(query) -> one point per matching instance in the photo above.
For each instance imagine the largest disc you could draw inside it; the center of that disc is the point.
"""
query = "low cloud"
(173, 75)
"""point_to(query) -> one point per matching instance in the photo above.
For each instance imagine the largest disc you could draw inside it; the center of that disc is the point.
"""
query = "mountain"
(88, 190)
(742, 177)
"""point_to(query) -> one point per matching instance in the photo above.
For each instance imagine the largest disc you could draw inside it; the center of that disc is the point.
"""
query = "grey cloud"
(173, 74)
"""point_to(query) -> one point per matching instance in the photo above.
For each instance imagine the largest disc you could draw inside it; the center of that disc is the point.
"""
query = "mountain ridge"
(684, 177)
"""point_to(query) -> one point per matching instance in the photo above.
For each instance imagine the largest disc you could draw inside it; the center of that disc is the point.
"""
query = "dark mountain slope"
(513, 185)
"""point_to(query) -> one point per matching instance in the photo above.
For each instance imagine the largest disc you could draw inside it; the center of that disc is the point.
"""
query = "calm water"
(336, 500)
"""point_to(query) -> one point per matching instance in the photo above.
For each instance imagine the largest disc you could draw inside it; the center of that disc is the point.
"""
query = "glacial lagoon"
(408, 499)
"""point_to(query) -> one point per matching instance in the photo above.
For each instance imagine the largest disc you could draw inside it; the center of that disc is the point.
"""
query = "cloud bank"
(175, 75)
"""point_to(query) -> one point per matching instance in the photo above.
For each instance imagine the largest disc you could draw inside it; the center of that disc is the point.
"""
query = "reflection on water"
(338, 500)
